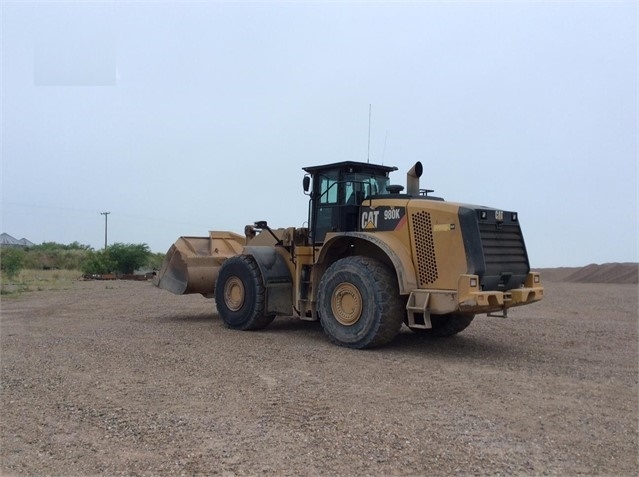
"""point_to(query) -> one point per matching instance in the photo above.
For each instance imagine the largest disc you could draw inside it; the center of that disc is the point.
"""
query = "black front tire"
(240, 294)
(359, 303)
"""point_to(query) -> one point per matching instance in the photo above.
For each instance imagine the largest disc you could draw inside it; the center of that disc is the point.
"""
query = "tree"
(118, 258)
(155, 261)
(128, 257)
(11, 261)
(52, 255)
(97, 263)
(54, 246)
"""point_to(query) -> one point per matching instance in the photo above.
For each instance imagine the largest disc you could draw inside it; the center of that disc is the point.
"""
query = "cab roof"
(351, 166)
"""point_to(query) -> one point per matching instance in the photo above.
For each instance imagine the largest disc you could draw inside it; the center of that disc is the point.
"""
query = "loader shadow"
(461, 346)
(189, 318)
(289, 328)
(406, 343)
(281, 325)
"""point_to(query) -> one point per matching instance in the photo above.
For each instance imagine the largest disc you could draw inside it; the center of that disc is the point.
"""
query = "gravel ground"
(121, 378)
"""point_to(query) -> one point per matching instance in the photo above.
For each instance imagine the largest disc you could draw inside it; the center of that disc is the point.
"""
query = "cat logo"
(369, 219)
(384, 218)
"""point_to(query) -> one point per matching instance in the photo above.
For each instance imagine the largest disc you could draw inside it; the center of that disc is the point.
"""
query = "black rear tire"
(446, 325)
(240, 294)
(359, 303)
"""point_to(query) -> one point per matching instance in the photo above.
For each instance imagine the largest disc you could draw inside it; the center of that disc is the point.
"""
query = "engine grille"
(425, 248)
(504, 249)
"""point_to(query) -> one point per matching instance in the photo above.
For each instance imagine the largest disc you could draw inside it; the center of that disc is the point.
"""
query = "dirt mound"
(556, 275)
(593, 273)
(605, 273)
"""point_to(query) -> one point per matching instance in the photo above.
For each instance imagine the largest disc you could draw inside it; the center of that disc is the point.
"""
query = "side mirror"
(306, 183)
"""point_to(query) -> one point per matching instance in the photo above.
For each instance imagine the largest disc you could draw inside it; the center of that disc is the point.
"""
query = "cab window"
(328, 190)
(360, 186)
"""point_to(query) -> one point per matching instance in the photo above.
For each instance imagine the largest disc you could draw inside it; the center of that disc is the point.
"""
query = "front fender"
(277, 279)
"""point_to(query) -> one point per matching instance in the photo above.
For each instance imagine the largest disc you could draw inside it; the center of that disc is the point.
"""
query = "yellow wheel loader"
(372, 258)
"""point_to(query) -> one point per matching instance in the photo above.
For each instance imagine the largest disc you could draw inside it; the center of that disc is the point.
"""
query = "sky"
(184, 117)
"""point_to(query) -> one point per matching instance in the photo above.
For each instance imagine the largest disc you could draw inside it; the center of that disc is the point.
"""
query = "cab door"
(325, 216)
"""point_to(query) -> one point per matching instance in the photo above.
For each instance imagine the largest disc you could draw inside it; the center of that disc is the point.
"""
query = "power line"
(136, 217)
(48, 207)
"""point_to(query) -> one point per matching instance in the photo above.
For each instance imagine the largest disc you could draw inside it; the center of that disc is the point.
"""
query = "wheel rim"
(234, 294)
(346, 304)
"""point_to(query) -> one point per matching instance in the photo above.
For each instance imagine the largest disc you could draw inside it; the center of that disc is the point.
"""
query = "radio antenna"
(368, 158)
(384, 153)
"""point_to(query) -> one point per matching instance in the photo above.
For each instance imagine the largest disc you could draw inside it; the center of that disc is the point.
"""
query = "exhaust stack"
(412, 179)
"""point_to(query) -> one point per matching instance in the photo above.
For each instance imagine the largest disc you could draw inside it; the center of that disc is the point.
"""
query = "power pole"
(106, 216)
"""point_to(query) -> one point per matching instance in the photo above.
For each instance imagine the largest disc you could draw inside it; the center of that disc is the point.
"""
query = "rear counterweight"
(495, 249)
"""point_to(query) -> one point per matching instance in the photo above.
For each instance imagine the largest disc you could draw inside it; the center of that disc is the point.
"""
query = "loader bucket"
(192, 263)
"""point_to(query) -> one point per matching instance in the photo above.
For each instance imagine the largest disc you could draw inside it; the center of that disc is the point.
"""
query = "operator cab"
(338, 190)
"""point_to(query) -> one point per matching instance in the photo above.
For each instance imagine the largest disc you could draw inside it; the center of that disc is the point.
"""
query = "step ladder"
(418, 301)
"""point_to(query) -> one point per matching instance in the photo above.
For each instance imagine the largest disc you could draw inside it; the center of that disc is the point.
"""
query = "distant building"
(7, 240)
